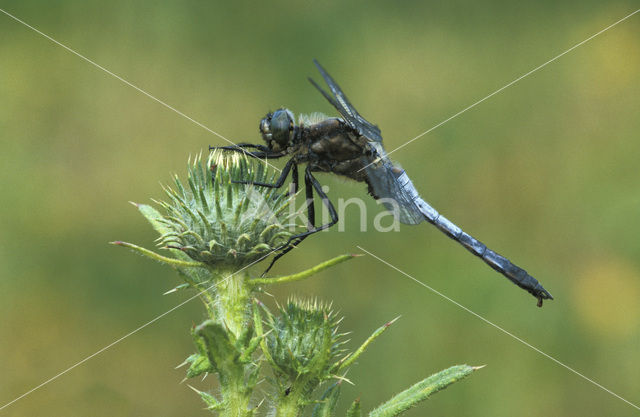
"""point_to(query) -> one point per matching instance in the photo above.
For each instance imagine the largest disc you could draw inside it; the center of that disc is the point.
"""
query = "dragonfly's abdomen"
(514, 273)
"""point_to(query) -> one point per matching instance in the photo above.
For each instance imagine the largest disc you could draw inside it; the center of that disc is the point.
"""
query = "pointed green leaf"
(349, 359)
(219, 348)
(251, 347)
(211, 401)
(153, 216)
(244, 337)
(158, 257)
(304, 274)
(355, 410)
(421, 391)
(199, 365)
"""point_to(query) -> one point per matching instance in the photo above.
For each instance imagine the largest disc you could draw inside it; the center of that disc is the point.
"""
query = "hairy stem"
(231, 309)
(231, 305)
(289, 405)
(236, 398)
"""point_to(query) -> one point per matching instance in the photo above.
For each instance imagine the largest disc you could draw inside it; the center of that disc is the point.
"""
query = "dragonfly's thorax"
(329, 145)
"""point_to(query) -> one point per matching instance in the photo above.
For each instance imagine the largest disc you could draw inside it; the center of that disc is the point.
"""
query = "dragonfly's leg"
(310, 181)
(295, 180)
(311, 184)
(280, 181)
(264, 152)
(311, 208)
(239, 146)
(267, 153)
(309, 178)
(311, 221)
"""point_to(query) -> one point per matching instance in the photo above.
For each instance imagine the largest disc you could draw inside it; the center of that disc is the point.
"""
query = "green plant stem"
(235, 398)
(231, 305)
(290, 405)
(231, 309)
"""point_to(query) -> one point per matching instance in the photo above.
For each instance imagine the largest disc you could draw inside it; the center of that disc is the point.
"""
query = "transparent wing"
(346, 109)
(392, 186)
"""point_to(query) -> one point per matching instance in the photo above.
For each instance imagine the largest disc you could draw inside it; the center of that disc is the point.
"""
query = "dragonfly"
(350, 146)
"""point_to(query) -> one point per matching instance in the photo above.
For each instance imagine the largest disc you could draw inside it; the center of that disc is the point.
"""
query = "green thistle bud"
(304, 341)
(219, 222)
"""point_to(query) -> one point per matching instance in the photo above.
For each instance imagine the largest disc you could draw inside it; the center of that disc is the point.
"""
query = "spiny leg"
(240, 146)
(281, 179)
(309, 178)
(311, 184)
(311, 221)
(264, 152)
(295, 180)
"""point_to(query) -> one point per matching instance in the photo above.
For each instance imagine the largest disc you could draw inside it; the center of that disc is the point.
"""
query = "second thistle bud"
(304, 341)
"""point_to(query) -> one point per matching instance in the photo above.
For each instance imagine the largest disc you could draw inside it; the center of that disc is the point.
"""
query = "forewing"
(391, 184)
(346, 109)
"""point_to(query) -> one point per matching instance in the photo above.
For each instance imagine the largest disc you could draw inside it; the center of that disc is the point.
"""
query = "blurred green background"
(546, 172)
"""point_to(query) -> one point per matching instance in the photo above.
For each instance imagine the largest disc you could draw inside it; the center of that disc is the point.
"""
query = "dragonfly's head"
(277, 129)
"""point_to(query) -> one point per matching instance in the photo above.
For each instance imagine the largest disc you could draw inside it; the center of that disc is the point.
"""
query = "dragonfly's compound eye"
(280, 128)
(265, 128)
